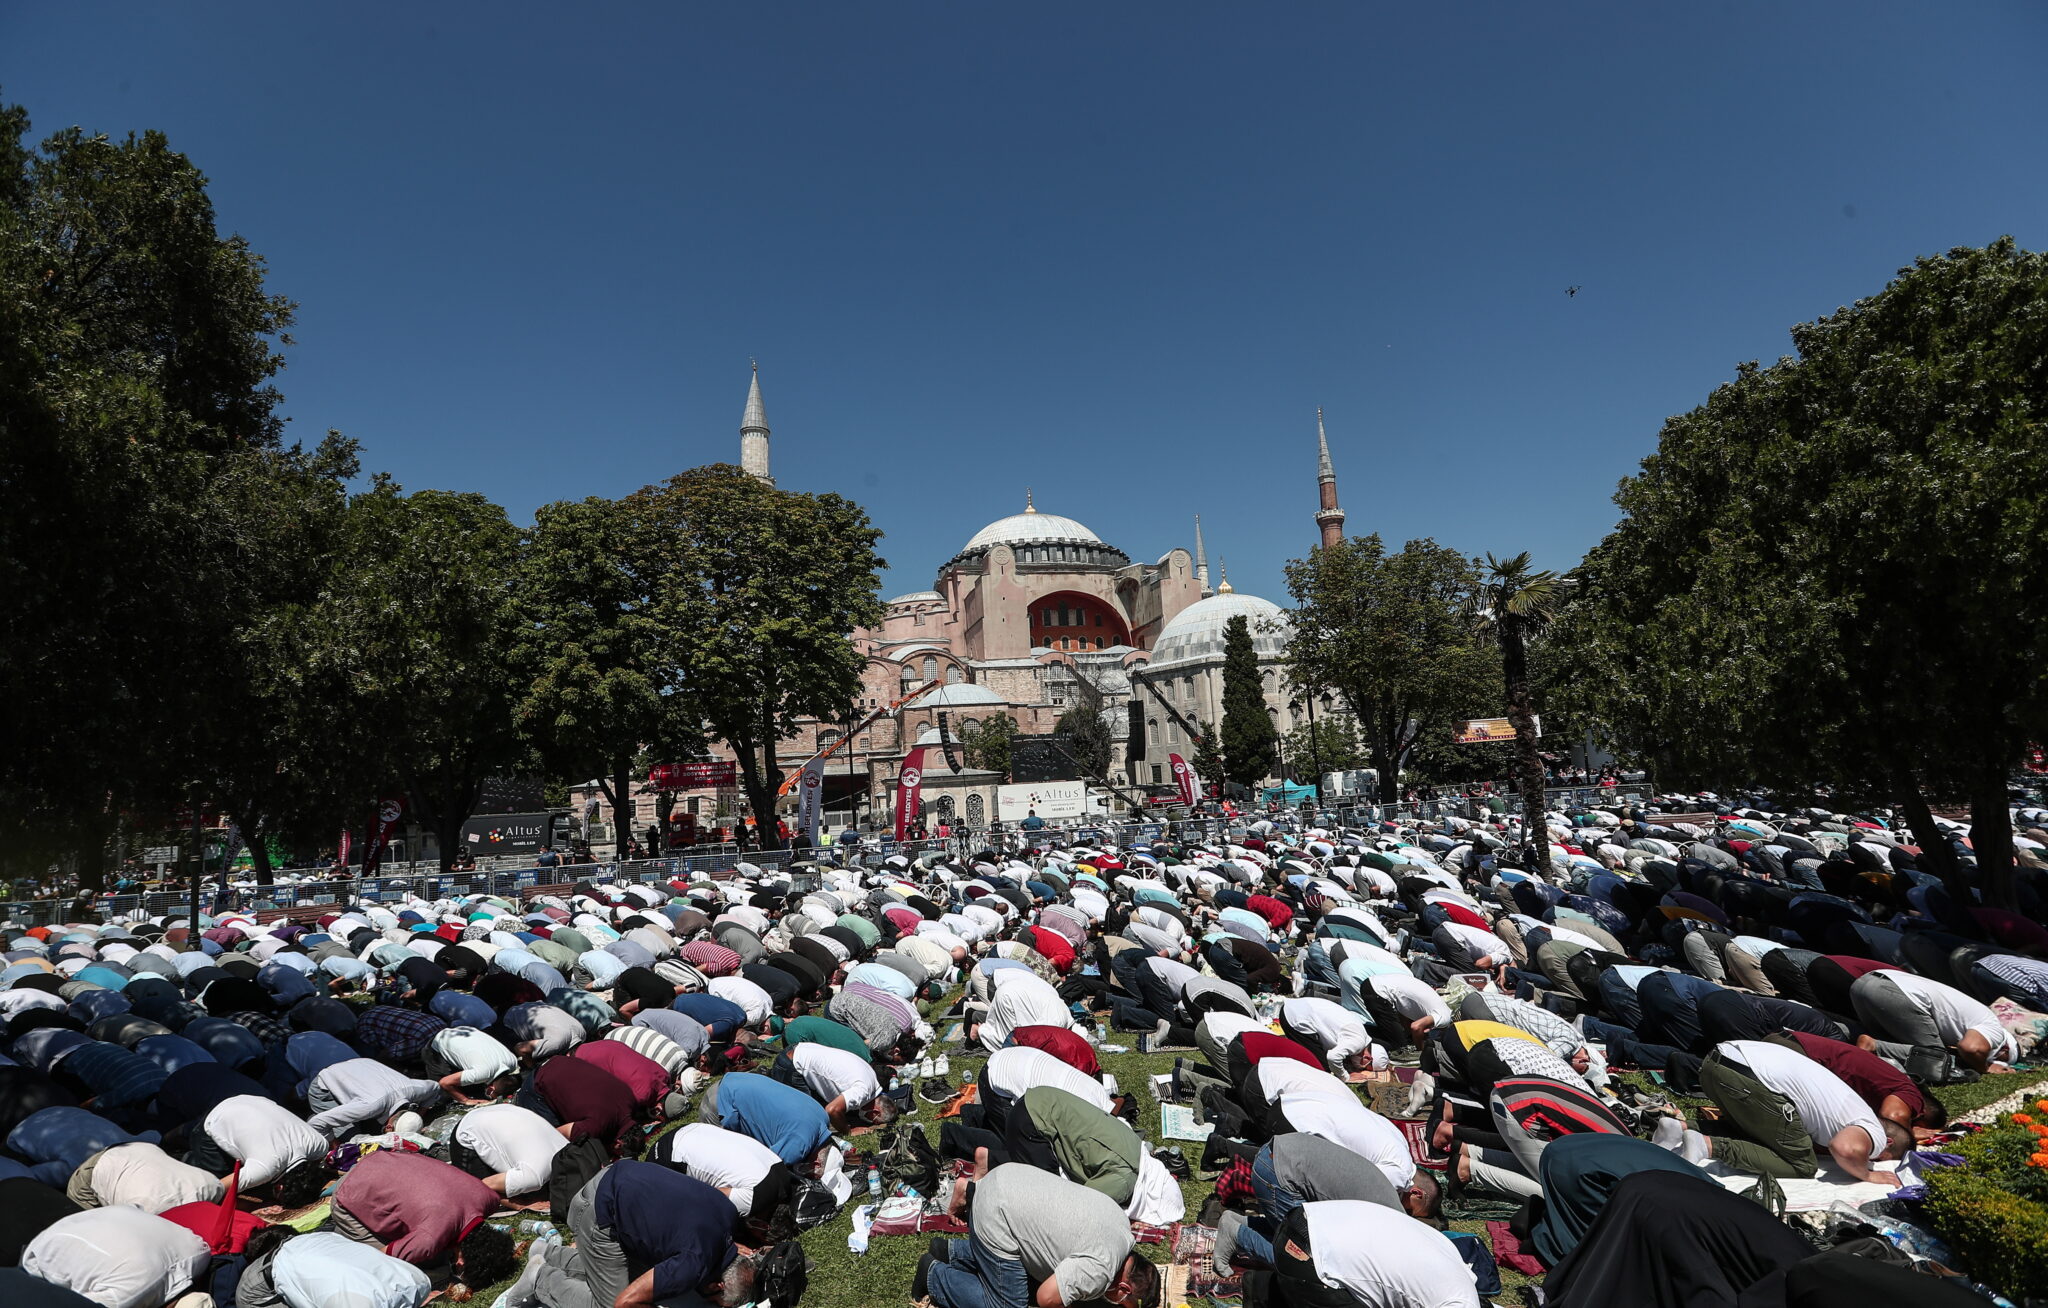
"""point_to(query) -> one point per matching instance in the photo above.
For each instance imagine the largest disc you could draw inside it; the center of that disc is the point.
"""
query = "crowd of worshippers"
(331, 1115)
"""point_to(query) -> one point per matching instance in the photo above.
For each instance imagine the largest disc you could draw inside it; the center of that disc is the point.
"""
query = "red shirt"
(1061, 1043)
(420, 1207)
(1856, 967)
(647, 1079)
(587, 1098)
(1261, 1045)
(1277, 914)
(1868, 1075)
(1054, 946)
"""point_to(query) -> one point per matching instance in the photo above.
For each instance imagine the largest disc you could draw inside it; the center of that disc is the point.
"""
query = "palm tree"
(1513, 603)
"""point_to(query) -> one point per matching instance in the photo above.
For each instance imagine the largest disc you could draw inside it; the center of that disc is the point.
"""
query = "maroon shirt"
(420, 1207)
(1061, 1043)
(587, 1099)
(1869, 1076)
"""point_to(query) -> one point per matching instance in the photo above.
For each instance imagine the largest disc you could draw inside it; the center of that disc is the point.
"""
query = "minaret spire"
(1329, 518)
(1201, 561)
(754, 432)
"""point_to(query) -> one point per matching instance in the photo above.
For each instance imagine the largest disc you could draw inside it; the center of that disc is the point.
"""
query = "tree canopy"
(1830, 573)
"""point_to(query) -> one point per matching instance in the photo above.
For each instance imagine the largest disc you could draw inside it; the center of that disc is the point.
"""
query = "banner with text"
(810, 799)
(1048, 799)
(909, 789)
(1184, 777)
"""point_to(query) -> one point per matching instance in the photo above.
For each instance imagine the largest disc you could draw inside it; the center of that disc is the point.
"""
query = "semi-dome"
(916, 597)
(1031, 528)
(1196, 631)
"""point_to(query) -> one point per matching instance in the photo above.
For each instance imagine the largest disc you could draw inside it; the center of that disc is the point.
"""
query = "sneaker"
(1174, 1161)
(933, 1090)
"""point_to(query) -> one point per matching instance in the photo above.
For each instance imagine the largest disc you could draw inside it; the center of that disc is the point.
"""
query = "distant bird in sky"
(1571, 291)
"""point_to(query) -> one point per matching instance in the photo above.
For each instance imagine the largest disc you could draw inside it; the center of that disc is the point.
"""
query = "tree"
(989, 744)
(1389, 633)
(594, 658)
(411, 640)
(137, 346)
(1084, 733)
(756, 591)
(1208, 759)
(1830, 573)
(1514, 603)
(1332, 745)
(1250, 743)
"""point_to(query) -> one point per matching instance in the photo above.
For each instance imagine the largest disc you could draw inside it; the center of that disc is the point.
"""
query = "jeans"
(1276, 1201)
(972, 1277)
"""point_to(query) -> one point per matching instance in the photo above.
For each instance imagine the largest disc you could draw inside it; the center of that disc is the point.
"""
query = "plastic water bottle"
(874, 1183)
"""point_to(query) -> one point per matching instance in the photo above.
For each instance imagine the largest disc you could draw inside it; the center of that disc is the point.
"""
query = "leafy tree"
(1515, 602)
(1332, 746)
(1830, 573)
(990, 743)
(1250, 743)
(137, 346)
(1084, 733)
(1208, 759)
(594, 660)
(1389, 633)
(411, 640)
(755, 591)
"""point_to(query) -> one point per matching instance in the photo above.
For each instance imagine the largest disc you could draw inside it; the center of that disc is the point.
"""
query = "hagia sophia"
(1034, 615)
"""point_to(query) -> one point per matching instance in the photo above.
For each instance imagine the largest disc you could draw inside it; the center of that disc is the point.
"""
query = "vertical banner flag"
(1184, 777)
(388, 813)
(909, 784)
(810, 800)
(346, 843)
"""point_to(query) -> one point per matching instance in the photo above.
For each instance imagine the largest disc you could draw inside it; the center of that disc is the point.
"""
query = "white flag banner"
(810, 801)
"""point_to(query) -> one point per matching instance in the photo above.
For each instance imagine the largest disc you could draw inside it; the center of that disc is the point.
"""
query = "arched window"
(974, 809)
(944, 806)
(952, 676)
(931, 668)
(966, 731)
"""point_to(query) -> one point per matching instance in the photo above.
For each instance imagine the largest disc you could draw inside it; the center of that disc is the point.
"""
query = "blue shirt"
(784, 1118)
(229, 1042)
(675, 1222)
(722, 1015)
(460, 1008)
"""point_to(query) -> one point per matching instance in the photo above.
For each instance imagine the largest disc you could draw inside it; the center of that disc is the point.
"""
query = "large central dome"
(1032, 528)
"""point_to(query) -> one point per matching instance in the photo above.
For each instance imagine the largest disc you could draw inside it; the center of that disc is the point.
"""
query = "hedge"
(1993, 1210)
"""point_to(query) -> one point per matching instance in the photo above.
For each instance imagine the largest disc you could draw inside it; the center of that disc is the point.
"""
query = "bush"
(1991, 1210)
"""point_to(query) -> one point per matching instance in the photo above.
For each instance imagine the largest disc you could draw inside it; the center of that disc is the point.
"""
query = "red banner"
(389, 811)
(1185, 778)
(909, 790)
(692, 776)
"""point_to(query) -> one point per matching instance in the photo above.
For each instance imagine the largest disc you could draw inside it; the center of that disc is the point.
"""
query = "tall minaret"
(754, 433)
(1201, 561)
(1328, 517)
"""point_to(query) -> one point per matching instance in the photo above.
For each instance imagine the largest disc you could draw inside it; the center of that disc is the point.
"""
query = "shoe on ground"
(918, 1281)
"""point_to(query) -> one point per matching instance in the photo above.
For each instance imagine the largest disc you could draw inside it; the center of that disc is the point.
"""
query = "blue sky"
(1116, 252)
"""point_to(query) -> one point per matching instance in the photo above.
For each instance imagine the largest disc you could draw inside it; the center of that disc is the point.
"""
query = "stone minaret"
(1328, 517)
(754, 433)
(1201, 561)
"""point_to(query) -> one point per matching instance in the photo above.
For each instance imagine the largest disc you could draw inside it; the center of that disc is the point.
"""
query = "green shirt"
(1092, 1147)
(824, 1031)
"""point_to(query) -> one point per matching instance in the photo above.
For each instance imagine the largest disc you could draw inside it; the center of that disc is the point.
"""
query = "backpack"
(575, 1163)
(783, 1276)
(910, 1161)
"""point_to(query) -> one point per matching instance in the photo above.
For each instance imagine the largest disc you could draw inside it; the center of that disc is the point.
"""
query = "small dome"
(1032, 528)
(1197, 630)
(916, 597)
(961, 694)
(932, 736)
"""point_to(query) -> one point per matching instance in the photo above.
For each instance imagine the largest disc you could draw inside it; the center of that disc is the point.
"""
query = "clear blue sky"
(1119, 252)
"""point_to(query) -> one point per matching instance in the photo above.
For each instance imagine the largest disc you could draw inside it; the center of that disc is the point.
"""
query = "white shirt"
(832, 1072)
(514, 1140)
(1385, 1258)
(328, 1270)
(1017, 1068)
(269, 1138)
(726, 1160)
(1025, 1000)
(1825, 1102)
(1333, 1112)
(1411, 996)
(143, 1176)
(552, 1030)
(1336, 1026)
(756, 1001)
(1225, 1027)
(480, 1057)
(117, 1257)
(1156, 1199)
(1954, 1012)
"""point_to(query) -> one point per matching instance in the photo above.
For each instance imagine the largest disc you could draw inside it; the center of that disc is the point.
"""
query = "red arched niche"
(1070, 620)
